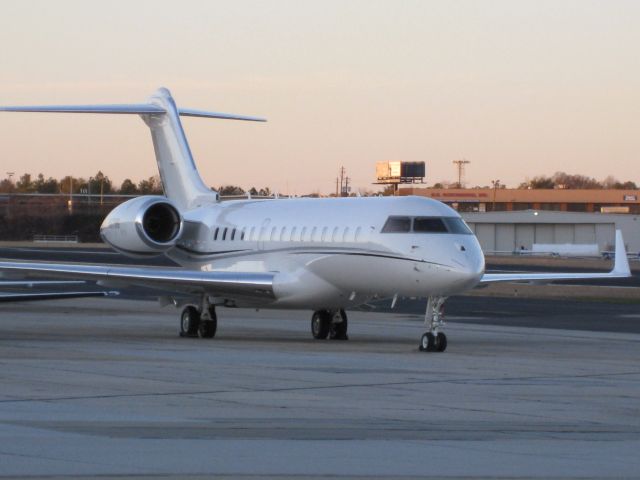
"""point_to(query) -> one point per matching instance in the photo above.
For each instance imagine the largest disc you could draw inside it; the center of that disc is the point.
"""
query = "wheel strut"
(434, 340)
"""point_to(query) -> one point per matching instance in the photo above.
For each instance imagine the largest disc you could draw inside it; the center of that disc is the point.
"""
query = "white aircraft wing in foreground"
(242, 284)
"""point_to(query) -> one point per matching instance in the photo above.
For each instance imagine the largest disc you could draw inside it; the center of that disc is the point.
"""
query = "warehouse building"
(520, 230)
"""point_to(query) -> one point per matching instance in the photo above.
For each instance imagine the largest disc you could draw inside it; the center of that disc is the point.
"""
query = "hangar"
(517, 230)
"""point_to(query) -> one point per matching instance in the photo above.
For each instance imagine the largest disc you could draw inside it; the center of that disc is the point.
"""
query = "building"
(512, 199)
(517, 230)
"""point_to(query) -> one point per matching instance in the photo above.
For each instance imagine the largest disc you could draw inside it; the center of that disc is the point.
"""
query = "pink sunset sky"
(519, 88)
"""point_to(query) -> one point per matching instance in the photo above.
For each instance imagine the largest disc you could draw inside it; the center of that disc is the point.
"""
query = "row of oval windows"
(284, 234)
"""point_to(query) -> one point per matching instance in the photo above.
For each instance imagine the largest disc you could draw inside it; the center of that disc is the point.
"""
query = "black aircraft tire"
(427, 342)
(189, 321)
(320, 324)
(207, 328)
(339, 330)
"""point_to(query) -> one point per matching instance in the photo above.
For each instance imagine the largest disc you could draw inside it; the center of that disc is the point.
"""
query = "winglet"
(621, 262)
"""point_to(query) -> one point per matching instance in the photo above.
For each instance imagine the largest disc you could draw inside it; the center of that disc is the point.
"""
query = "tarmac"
(105, 387)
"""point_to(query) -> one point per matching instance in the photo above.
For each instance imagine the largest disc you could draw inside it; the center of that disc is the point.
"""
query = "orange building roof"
(514, 195)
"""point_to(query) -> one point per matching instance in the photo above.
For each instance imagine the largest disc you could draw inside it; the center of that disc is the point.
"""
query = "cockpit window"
(397, 225)
(429, 225)
(453, 225)
(457, 225)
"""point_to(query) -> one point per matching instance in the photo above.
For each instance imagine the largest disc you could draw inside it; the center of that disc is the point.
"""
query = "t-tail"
(180, 178)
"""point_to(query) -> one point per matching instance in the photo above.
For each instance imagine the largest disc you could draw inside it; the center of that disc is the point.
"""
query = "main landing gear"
(434, 340)
(334, 325)
(196, 322)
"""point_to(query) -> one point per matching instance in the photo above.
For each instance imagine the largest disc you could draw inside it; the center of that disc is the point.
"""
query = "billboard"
(400, 172)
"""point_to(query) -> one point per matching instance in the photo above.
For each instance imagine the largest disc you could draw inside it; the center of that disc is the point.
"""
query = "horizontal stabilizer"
(134, 108)
(189, 112)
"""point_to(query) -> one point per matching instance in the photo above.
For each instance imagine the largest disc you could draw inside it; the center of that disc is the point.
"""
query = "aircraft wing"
(223, 283)
(620, 270)
(21, 297)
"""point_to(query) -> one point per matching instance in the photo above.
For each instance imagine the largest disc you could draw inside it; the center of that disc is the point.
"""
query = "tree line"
(96, 185)
(559, 180)
(569, 181)
(102, 184)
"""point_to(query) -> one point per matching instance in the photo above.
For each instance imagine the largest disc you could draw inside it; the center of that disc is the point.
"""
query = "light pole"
(70, 203)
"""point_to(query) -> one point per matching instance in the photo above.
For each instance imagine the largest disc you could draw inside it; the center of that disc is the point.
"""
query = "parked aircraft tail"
(180, 178)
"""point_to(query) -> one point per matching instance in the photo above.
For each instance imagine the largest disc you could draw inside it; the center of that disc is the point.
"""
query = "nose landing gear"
(434, 340)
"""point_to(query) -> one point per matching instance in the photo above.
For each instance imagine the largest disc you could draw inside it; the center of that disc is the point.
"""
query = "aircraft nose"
(469, 259)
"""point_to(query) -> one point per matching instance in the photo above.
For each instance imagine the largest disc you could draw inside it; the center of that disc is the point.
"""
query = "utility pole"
(496, 185)
(460, 164)
(9, 174)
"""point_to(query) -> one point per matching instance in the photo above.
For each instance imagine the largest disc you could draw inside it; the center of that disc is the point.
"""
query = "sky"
(518, 88)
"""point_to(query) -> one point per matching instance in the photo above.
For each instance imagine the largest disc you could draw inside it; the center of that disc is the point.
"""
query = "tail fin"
(180, 178)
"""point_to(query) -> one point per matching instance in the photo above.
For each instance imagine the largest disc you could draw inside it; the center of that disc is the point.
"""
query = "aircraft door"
(263, 234)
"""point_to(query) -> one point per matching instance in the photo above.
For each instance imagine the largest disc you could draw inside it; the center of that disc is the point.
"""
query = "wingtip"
(621, 262)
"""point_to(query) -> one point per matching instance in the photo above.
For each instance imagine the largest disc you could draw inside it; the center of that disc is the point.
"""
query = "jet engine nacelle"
(143, 226)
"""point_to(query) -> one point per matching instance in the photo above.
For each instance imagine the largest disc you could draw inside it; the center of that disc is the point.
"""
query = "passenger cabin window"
(397, 225)
(215, 234)
(233, 234)
(303, 233)
(224, 234)
(429, 225)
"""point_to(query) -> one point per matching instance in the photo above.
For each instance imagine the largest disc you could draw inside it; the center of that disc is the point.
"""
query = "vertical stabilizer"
(180, 178)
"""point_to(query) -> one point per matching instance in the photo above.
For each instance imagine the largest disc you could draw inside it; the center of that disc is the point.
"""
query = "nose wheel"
(434, 340)
(433, 343)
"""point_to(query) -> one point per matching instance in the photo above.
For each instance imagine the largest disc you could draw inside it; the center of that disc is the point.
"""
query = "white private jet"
(328, 255)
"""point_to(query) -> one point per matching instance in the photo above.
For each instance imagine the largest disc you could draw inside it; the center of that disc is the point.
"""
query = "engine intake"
(143, 226)
(161, 222)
